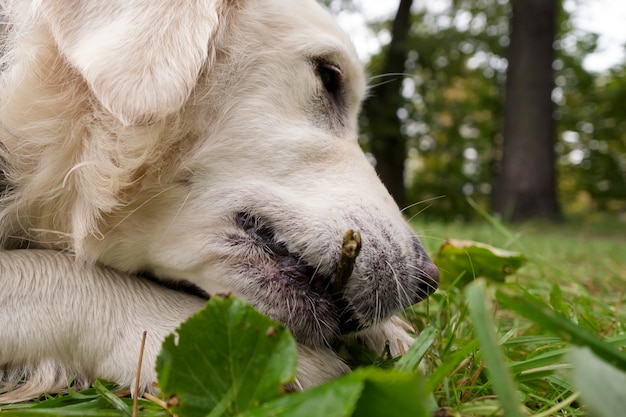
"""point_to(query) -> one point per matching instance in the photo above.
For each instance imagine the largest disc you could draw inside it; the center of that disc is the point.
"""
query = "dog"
(209, 142)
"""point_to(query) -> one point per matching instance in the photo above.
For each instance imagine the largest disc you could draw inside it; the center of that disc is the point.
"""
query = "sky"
(605, 17)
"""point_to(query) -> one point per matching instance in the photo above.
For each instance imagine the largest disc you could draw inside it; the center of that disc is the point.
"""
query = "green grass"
(495, 349)
(578, 270)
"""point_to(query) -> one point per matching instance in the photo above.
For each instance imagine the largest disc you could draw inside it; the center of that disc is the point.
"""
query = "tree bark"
(526, 184)
(388, 144)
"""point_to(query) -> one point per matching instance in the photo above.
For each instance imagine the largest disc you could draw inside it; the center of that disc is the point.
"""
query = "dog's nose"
(419, 278)
(427, 272)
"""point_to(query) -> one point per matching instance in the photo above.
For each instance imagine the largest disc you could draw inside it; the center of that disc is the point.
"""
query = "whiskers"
(392, 77)
(403, 298)
(428, 200)
(420, 272)
(323, 325)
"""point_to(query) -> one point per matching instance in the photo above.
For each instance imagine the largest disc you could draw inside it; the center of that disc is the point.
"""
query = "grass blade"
(411, 360)
(562, 327)
(112, 399)
(449, 365)
(503, 383)
(601, 385)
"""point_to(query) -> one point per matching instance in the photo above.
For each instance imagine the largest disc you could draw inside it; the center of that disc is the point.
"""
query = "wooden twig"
(349, 251)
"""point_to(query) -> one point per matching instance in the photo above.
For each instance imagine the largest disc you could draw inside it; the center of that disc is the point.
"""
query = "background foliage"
(452, 115)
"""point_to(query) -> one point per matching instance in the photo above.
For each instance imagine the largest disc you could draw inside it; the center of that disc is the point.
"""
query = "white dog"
(207, 141)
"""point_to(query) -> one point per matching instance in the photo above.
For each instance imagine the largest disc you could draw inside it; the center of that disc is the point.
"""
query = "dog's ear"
(141, 58)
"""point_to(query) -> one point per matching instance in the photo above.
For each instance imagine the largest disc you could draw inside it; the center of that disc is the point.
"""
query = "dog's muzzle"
(352, 313)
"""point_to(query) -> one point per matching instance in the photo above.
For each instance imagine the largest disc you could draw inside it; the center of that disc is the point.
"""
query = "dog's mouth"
(290, 266)
(292, 271)
(312, 300)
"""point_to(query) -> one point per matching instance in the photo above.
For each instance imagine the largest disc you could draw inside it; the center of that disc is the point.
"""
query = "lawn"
(577, 269)
(501, 356)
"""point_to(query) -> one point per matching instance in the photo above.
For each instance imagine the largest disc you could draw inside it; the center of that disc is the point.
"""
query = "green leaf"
(367, 392)
(461, 261)
(337, 398)
(226, 359)
(392, 394)
(497, 366)
(601, 385)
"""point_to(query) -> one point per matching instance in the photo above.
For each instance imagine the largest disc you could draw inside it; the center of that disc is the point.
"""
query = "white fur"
(91, 328)
(194, 140)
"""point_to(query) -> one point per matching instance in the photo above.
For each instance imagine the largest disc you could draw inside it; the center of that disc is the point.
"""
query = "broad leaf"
(461, 261)
(226, 359)
(367, 392)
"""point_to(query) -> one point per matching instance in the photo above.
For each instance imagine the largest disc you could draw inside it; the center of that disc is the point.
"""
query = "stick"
(349, 251)
(138, 377)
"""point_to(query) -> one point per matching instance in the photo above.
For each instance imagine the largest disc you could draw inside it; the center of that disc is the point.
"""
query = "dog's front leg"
(62, 321)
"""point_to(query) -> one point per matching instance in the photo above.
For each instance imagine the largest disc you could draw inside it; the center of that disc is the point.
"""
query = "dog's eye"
(331, 77)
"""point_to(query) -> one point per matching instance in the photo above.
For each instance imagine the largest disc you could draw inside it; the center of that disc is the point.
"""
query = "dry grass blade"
(138, 377)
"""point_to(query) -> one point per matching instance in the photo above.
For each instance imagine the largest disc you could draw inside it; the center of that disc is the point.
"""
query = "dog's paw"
(394, 332)
(318, 365)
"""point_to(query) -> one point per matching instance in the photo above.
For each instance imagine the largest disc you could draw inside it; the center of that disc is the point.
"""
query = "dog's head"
(214, 142)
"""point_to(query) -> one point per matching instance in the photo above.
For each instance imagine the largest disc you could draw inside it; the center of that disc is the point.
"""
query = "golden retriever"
(212, 142)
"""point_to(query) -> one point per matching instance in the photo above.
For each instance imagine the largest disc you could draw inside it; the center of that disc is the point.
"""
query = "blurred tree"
(388, 144)
(526, 185)
(606, 156)
(452, 113)
(450, 110)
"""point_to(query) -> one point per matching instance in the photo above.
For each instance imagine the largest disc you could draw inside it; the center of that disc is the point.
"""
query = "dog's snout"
(427, 272)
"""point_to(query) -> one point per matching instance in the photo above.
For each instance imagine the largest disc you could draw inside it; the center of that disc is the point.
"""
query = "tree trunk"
(388, 144)
(526, 185)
